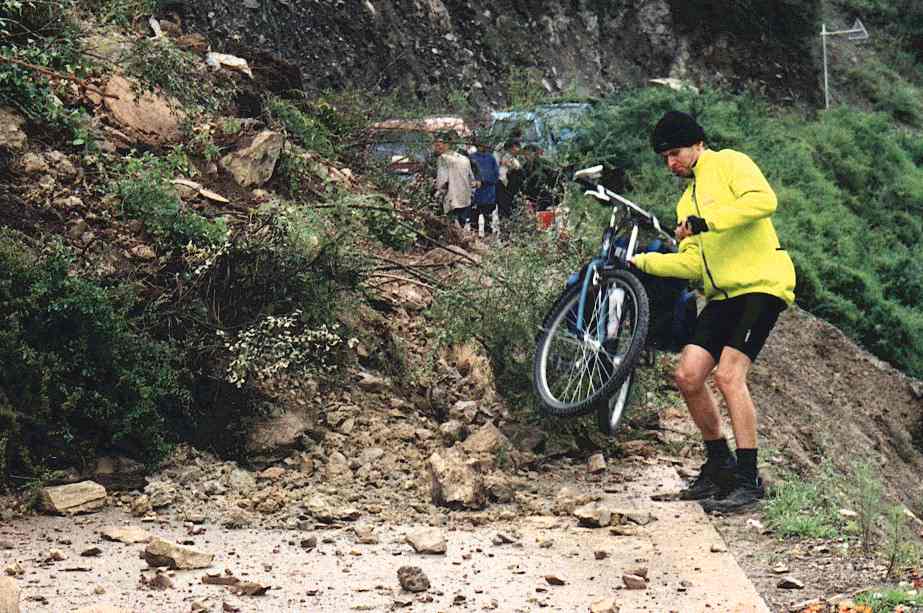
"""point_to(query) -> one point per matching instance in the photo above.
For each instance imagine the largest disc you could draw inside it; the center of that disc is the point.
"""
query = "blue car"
(548, 125)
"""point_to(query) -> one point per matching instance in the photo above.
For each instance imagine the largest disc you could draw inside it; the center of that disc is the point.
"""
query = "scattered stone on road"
(596, 463)
(161, 552)
(790, 583)
(427, 540)
(9, 595)
(412, 579)
(365, 535)
(129, 534)
(604, 605)
(83, 497)
(554, 580)
(634, 582)
(593, 515)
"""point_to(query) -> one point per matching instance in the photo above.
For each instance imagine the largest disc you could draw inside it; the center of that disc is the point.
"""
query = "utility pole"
(857, 32)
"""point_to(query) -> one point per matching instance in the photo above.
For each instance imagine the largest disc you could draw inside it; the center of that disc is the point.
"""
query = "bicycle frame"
(604, 261)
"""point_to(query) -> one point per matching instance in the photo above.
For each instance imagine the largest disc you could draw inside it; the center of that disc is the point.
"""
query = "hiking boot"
(714, 481)
(746, 493)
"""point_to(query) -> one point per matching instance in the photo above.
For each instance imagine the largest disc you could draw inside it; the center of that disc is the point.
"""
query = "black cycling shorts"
(742, 322)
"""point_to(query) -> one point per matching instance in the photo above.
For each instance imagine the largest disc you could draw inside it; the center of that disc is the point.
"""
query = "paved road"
(688, 570)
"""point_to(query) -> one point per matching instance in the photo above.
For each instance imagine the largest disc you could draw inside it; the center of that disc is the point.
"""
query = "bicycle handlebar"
(604, 195)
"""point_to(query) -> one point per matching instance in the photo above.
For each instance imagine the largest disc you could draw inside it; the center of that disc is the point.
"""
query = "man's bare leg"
(695, 364)
(717, 475)
(731, 379)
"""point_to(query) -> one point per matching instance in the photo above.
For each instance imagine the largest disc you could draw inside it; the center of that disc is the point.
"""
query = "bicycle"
(593, 336)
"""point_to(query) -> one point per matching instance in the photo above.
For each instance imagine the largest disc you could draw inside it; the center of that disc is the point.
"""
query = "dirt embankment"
(822, 397)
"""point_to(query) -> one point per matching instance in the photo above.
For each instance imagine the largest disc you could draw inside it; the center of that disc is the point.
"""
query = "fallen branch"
(384, 275)
(56, 75)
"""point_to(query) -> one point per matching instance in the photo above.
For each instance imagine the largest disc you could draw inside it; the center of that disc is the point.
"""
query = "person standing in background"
(454, 180)
(485, 196)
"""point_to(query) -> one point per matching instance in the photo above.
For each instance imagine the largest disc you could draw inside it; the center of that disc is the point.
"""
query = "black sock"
(717, 451)
(746, 463)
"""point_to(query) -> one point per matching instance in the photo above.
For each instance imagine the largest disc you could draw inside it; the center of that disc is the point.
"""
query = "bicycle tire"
(599, 377)
(610, 413)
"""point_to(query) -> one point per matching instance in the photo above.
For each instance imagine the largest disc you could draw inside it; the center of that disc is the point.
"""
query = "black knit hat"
(676, 129)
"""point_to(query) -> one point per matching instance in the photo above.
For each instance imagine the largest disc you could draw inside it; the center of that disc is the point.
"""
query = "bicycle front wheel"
(578, 364)
(610, 412)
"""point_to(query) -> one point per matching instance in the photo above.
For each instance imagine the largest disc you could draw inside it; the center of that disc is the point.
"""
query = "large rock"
(161, 552)
(254, 164)
(119, 473)
(160, 494)
(12, 135)
(487, 439)
(147, 117)
(323, 510)
(455, 481)
(9, 596)
(83, 497)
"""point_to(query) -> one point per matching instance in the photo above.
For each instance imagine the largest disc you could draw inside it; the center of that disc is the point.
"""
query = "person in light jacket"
(454, 181)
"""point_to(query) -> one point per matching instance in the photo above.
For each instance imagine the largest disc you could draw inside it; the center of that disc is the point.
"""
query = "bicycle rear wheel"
(575, 367)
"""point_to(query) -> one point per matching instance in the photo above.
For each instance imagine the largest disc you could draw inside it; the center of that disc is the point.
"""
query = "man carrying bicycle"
(728, 242)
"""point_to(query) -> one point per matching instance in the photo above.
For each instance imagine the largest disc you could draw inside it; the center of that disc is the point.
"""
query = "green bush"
(146, 195)
(76, 376)
(159, 64)
(502, 304)
(41, 33)
(308, 131)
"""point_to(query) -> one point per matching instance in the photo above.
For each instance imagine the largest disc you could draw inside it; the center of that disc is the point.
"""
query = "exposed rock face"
(148, 118)
(424, 48)
(254, 164)
(83, 497)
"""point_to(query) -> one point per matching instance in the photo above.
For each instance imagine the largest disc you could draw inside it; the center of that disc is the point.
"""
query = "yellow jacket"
(740, 253)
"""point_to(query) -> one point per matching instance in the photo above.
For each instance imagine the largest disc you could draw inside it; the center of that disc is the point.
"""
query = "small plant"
(890, 600)
(77, 377)
(900, 547)
(803, 508)
(865, 493)
(524, 87)
(159, 64)
(281, 344)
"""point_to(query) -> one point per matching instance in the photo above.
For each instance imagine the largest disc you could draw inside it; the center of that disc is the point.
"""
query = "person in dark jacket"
(485, 196)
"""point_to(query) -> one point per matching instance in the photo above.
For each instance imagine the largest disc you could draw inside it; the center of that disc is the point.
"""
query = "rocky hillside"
(434, 49)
